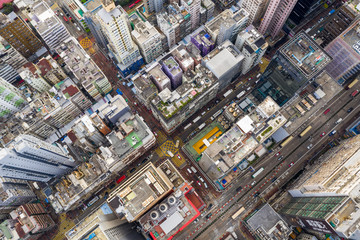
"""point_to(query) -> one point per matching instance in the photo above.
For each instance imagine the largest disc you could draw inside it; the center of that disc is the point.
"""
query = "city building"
(147, 38)
(198, 87)
(19, 35)
(296, 62)
(140, 192)
(102, 223)
(193, 8)
(209, 7)
(86, 72)
(175, 212)
(11, 99)
(146, 87)
(115, 24)
(255, 9)
(175, 23)
(50, 70)
(227, 25)
(225, 63)
(333, 214)
(302, 9)
(8, 73)
(267, 224)
(47, 24)
(9, 55)
(29, 158)
(276, 14)
(158, 77)
(203, 42)
(252, 45)
(14, 192)
(32, 76)
(79, 186)
(172, 69)
(153, 6)
(29, 221)
(183, 58)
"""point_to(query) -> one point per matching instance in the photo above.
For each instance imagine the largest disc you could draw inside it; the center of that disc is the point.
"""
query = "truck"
(331, 12)
(194, 169)
(170, 153)
(240, 94)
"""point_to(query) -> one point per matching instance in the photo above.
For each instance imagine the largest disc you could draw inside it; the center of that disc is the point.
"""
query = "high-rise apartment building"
(50, 70)
(147, 38)
(47, 24)
(8, 73)
(32, 76)
(153, 6)
(172, 69)
(253, 45)
(11, 99)
(19, 35)
(115, 24)
(203, 42)
(10, 55)
(227, 25)
(193, 7)
(29, 158)
(255, 8)
(209, 6)
(275, 16)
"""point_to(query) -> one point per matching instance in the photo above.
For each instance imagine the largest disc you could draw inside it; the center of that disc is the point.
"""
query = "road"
(295, 152)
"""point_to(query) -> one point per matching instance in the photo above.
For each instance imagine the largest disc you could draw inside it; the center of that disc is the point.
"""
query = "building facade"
(11, 99)
(193, 8)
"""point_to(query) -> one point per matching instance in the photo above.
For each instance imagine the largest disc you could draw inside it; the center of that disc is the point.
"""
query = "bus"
(286, 141)
(187, 126)
(170, 153)
(92, 201)
(257, 173)
(352, 84)
(131, 6)
(228, 93)
(305, 131)
(120, 179)
(240, 94)
(238, 212)
(196, 119)
(202, 126)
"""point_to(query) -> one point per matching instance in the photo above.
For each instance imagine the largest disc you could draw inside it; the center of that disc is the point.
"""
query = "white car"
(253, 183)
(310, 146)
(201, 179)
(189, 170)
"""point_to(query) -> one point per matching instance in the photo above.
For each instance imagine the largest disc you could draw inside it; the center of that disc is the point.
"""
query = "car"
(206, 186)
(201, 179)
(61, 14)
(57, 14)
(198, 183)
(256, 194)
(326, 111)
(189, 171)
(78, 28)
(178, 156)
(135, 103)
(155, 134)
(292, 163)
(280, 158)
(144, 161)
(112, 186)
(332, 133)
(132, 170)
(251, 169)
(208, 216)
(217, 101)
(323, 134)
(210, 206)
(253, 183)
(350, 110)
(75, 24)
(310, 146)
(274, 179)
(239, 189)
(196, 220)
(277, 154)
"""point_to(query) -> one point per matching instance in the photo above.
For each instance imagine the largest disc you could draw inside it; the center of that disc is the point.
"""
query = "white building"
(29, 158)
(153, 5)
(8, 73)
(11, 99)
(116, 25)
(253, 45)
(14, 192)
(148, 39)
(227, 25)
(10, 55)
(47, 24)
(193, 7)
(255, 8)
(33, 78)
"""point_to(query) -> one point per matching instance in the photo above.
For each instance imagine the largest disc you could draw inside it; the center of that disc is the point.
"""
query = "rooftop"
(159, 76)
(305, 55)
(140, 192)
(172, 65)
(42, 17)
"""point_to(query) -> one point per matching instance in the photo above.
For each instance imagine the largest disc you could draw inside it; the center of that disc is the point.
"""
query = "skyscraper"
(29, 158)
(153, 5)
(19, 35)
(255, 8)
(11, 99)
(10, 55)
(193, 7)
(276, 14)
(115, 24)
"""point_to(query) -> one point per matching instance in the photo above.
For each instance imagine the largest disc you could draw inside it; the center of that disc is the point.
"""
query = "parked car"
(132, 170)
(277, 154)
(323, 134)
(274, 179)
(280, 158)
(326, 111)
(350, 110)
(208, 216)
(256, 194)
(332, 133)
(189, 171)
(310, 146)
(253, 183)
(292, 163)
(198, 183)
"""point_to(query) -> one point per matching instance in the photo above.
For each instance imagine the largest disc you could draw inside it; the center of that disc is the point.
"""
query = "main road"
(295, 157)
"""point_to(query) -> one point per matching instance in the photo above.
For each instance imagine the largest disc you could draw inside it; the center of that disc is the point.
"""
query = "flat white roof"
(171, 222)
(221, 63)
(245, 124)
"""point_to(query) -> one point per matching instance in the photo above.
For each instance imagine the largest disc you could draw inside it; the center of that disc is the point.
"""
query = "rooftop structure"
(172, 215)
(305, 55)
(227, 25)
(14, 192)
(158, 77)
(209, 6)
(47, 24)
(10, 55)
(33, 78)
(102, 223)
(116, 110)
(146, 88)
(140, 192)
(50, 70)
(172, 108)
(267, 224)
(345, 52)
(172, 69)
(203, 42)
(183, 58)
(193, 8)
(11, 99)
(87, 73)
(225, 63)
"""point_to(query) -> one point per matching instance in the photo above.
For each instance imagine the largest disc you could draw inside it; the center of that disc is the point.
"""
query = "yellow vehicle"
(305, 131)
(286, 141)
(242, 209)
(352, 84)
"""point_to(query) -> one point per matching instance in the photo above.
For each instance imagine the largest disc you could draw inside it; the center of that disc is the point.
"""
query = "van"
(338, 121)
(189, 170)
(332, 133)
(193, 169)
(206, 186)
(201, 179)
